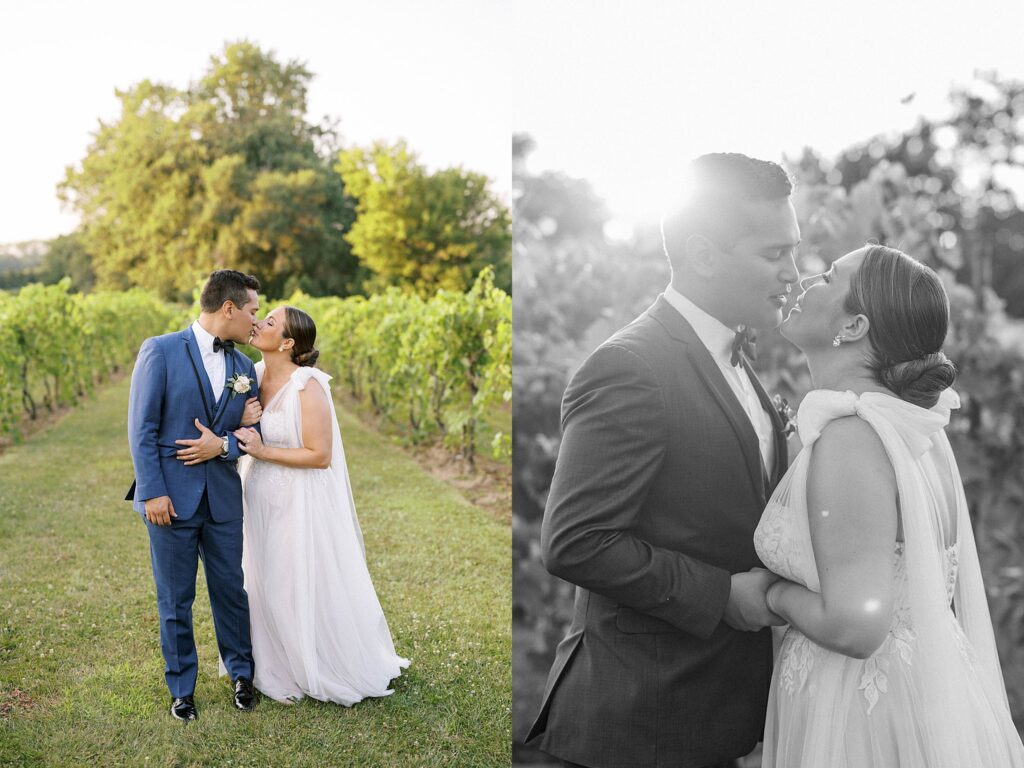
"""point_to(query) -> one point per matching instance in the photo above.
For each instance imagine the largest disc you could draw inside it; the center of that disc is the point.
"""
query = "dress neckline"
(277, 395)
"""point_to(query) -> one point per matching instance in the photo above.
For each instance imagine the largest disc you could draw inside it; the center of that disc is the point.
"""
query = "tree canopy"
(229, 172)
(420, 229)
(226, 173)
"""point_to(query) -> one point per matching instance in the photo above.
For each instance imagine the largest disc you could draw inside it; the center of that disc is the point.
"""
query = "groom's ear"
(701, 255)
(856, 328)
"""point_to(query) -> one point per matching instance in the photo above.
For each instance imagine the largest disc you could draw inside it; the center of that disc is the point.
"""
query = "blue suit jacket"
(170, 389)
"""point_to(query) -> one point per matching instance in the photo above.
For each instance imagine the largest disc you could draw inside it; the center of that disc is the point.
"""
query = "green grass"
(79, 633)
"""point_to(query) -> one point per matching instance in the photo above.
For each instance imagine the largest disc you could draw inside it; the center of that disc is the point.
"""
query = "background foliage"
(424, 230)
(433, 367)
(55, 346)
(230, 172)
(947, 192)
(436, 368)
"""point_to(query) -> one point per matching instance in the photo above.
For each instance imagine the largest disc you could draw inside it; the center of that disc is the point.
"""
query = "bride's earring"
(281, 348)
(837, 340)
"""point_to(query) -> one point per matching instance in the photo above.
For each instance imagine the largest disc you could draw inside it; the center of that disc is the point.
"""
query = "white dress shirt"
(214, 362)
(718, 339)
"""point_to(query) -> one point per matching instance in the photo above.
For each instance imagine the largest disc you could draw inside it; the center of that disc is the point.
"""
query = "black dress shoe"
(184, 709)
(245, 694)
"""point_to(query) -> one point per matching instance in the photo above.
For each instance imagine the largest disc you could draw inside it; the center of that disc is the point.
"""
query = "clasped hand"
(747, 609)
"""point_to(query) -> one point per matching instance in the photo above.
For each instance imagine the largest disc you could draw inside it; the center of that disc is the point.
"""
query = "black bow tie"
(744, 346)
(218, 345)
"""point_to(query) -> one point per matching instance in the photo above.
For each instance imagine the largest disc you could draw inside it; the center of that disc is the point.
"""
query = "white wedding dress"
(317, 627)
(932, 696)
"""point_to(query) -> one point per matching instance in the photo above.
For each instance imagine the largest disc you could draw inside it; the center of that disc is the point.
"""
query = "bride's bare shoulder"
(849, 460)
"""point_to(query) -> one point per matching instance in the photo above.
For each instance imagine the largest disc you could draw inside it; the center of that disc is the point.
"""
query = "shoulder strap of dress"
(302, 376)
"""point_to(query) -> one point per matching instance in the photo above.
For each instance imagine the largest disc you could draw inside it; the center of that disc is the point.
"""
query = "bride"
(889, 659)
(317, 627)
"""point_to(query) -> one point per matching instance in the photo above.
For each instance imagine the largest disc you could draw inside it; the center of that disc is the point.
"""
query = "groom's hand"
(747, 609)
(160, 510)
(207, 446)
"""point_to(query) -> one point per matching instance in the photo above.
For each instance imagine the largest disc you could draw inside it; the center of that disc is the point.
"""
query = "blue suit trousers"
(175, 550)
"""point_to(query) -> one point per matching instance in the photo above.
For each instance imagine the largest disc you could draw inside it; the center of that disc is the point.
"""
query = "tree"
(227, 173)
(67, 257)
(950, 190)
(425, 231)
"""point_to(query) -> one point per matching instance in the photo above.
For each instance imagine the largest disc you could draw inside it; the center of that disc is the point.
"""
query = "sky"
(625, 93)
(619, 93)
(434, 73)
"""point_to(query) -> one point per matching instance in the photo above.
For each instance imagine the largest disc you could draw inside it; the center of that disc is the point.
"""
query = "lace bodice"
(783, 543)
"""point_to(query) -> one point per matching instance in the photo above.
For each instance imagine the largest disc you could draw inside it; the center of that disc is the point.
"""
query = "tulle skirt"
(830, 710)
(317, 627)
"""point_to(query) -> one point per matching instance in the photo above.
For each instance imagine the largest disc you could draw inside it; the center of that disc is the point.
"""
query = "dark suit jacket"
(169, 390)
(657, 491)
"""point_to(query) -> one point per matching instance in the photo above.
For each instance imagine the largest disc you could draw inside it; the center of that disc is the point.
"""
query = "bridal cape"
(932, 695)
(317, 627)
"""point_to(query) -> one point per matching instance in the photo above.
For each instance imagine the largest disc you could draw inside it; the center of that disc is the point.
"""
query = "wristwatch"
(225, 447)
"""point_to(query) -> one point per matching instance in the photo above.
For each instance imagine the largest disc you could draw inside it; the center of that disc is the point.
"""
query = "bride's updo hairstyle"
(300, 327)
(908, 312)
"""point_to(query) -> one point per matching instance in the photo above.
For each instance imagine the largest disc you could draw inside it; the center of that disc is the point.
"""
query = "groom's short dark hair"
(720, 183)
(227, 285)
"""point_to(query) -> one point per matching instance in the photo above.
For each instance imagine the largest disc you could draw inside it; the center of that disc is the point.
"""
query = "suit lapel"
(709, 371)
(196, 358)
(719, 388)
(781, 452)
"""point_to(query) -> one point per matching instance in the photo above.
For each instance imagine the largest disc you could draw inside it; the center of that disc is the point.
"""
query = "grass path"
(81, 676)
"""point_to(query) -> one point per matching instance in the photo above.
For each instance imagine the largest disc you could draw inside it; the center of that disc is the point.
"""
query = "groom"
(670, 449)
(187, 488)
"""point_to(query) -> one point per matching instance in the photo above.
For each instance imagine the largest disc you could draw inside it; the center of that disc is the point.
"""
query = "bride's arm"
(851, 506)
(316, 435)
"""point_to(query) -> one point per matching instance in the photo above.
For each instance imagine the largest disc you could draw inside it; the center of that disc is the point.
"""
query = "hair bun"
(308, 358)
(920, 381)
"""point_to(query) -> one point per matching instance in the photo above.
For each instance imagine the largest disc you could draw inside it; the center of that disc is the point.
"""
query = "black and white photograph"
(768, 318)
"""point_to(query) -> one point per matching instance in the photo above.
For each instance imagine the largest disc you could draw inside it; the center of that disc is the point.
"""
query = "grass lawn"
(81, 675)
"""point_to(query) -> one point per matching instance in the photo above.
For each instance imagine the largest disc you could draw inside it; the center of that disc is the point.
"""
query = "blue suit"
(169, 390)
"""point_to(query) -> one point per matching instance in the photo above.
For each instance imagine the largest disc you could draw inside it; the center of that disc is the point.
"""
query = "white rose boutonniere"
(239, 384)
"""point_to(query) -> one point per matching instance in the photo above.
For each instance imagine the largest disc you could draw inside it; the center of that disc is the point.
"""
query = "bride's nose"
(810, 280)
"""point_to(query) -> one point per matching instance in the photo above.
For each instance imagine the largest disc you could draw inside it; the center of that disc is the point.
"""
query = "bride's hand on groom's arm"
(253, 412)
(250, 441)
(747, 608)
